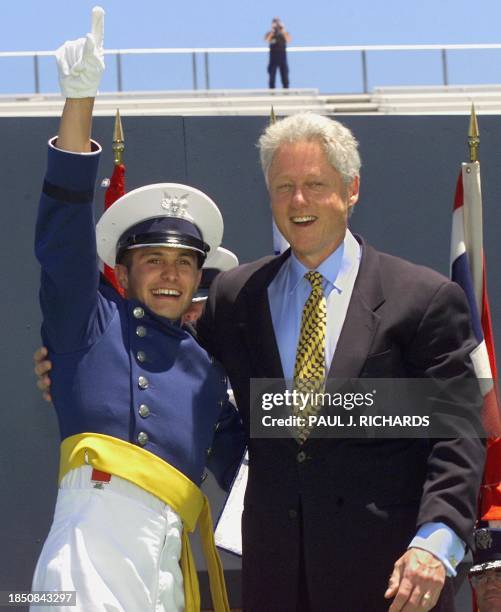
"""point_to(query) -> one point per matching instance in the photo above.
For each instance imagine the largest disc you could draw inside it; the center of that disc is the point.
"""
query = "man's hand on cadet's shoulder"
(42, 367)
(416, 582)
(80, 62)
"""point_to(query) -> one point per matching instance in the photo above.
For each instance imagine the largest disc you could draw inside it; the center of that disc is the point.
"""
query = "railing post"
(37, 74)
(194, 69)
(444, 67)
(364, 71)
(206, 57)
(119, 72)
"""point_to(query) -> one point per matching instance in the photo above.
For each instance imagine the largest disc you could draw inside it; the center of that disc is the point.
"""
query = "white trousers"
(114, 544)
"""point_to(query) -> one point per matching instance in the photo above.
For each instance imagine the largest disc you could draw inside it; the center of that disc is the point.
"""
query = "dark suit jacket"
(351, 508)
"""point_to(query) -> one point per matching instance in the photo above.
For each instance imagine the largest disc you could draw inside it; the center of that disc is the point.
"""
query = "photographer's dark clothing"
(278, 59)
(277, 42)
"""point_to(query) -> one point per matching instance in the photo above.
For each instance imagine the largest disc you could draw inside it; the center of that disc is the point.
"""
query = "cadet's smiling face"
(163, 279)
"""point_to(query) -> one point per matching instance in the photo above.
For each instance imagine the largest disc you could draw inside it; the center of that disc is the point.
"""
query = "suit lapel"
(357, 335)
(256, 324)
(361, 320)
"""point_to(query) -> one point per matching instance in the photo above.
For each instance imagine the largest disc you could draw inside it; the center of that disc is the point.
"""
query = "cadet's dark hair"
(125, 259)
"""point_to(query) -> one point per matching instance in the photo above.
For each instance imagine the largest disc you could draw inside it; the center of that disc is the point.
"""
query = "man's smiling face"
(309, 200)
(162, 278)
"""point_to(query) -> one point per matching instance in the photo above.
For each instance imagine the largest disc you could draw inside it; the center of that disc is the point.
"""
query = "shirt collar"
(335, 269)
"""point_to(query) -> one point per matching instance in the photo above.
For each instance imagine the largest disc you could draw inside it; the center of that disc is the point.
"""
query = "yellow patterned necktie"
(309, 368)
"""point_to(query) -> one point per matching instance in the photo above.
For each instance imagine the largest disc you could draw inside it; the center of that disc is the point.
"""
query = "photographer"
(278, 37)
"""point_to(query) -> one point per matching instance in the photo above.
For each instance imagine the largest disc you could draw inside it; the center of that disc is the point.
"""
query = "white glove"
(80, 62)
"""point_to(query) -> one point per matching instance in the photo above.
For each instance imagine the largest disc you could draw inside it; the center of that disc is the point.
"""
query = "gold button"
(141, 331)
(141, 356)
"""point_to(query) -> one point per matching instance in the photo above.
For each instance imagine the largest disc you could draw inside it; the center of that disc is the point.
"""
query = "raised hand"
(80, 62)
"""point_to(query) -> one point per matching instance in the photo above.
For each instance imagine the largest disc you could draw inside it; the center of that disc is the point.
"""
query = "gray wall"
(410, 166)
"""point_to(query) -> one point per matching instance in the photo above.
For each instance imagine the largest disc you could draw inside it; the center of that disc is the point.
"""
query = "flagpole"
(116, 184)
(118, 140)
(473, 217)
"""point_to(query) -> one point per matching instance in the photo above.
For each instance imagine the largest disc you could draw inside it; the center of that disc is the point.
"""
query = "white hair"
(340, 145)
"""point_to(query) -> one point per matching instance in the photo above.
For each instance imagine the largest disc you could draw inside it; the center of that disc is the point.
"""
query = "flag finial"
(473, 135)
(273, 117)
(118, 140)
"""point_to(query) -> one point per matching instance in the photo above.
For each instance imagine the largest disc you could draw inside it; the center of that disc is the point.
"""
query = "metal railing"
(205, 52)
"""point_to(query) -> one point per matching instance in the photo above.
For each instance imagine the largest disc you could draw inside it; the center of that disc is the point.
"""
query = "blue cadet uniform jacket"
(132, 390)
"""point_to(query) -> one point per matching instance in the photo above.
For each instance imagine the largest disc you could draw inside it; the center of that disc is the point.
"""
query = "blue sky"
(35, 25)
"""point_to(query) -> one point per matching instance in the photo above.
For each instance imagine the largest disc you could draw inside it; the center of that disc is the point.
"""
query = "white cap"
(162, 214)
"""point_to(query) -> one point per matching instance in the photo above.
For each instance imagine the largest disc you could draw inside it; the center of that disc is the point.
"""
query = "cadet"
(137, 399)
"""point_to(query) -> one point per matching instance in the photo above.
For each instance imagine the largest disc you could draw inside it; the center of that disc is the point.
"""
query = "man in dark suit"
(344, 525)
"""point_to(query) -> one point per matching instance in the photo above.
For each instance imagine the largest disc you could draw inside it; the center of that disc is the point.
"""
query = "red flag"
(116, 189)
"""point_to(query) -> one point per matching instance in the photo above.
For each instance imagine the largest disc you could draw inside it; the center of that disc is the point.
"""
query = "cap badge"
(483, 539)
(175, 205)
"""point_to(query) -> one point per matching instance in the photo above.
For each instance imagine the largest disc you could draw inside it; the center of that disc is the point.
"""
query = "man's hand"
(42, 366)
(80, 62)
(416, 582)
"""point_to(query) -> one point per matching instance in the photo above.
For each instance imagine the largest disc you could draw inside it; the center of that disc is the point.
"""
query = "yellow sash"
(161, 479)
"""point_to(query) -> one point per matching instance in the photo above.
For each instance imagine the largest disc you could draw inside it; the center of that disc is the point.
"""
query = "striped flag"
(468, 270)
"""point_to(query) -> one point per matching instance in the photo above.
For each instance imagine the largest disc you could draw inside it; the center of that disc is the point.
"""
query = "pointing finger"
(97, 30)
